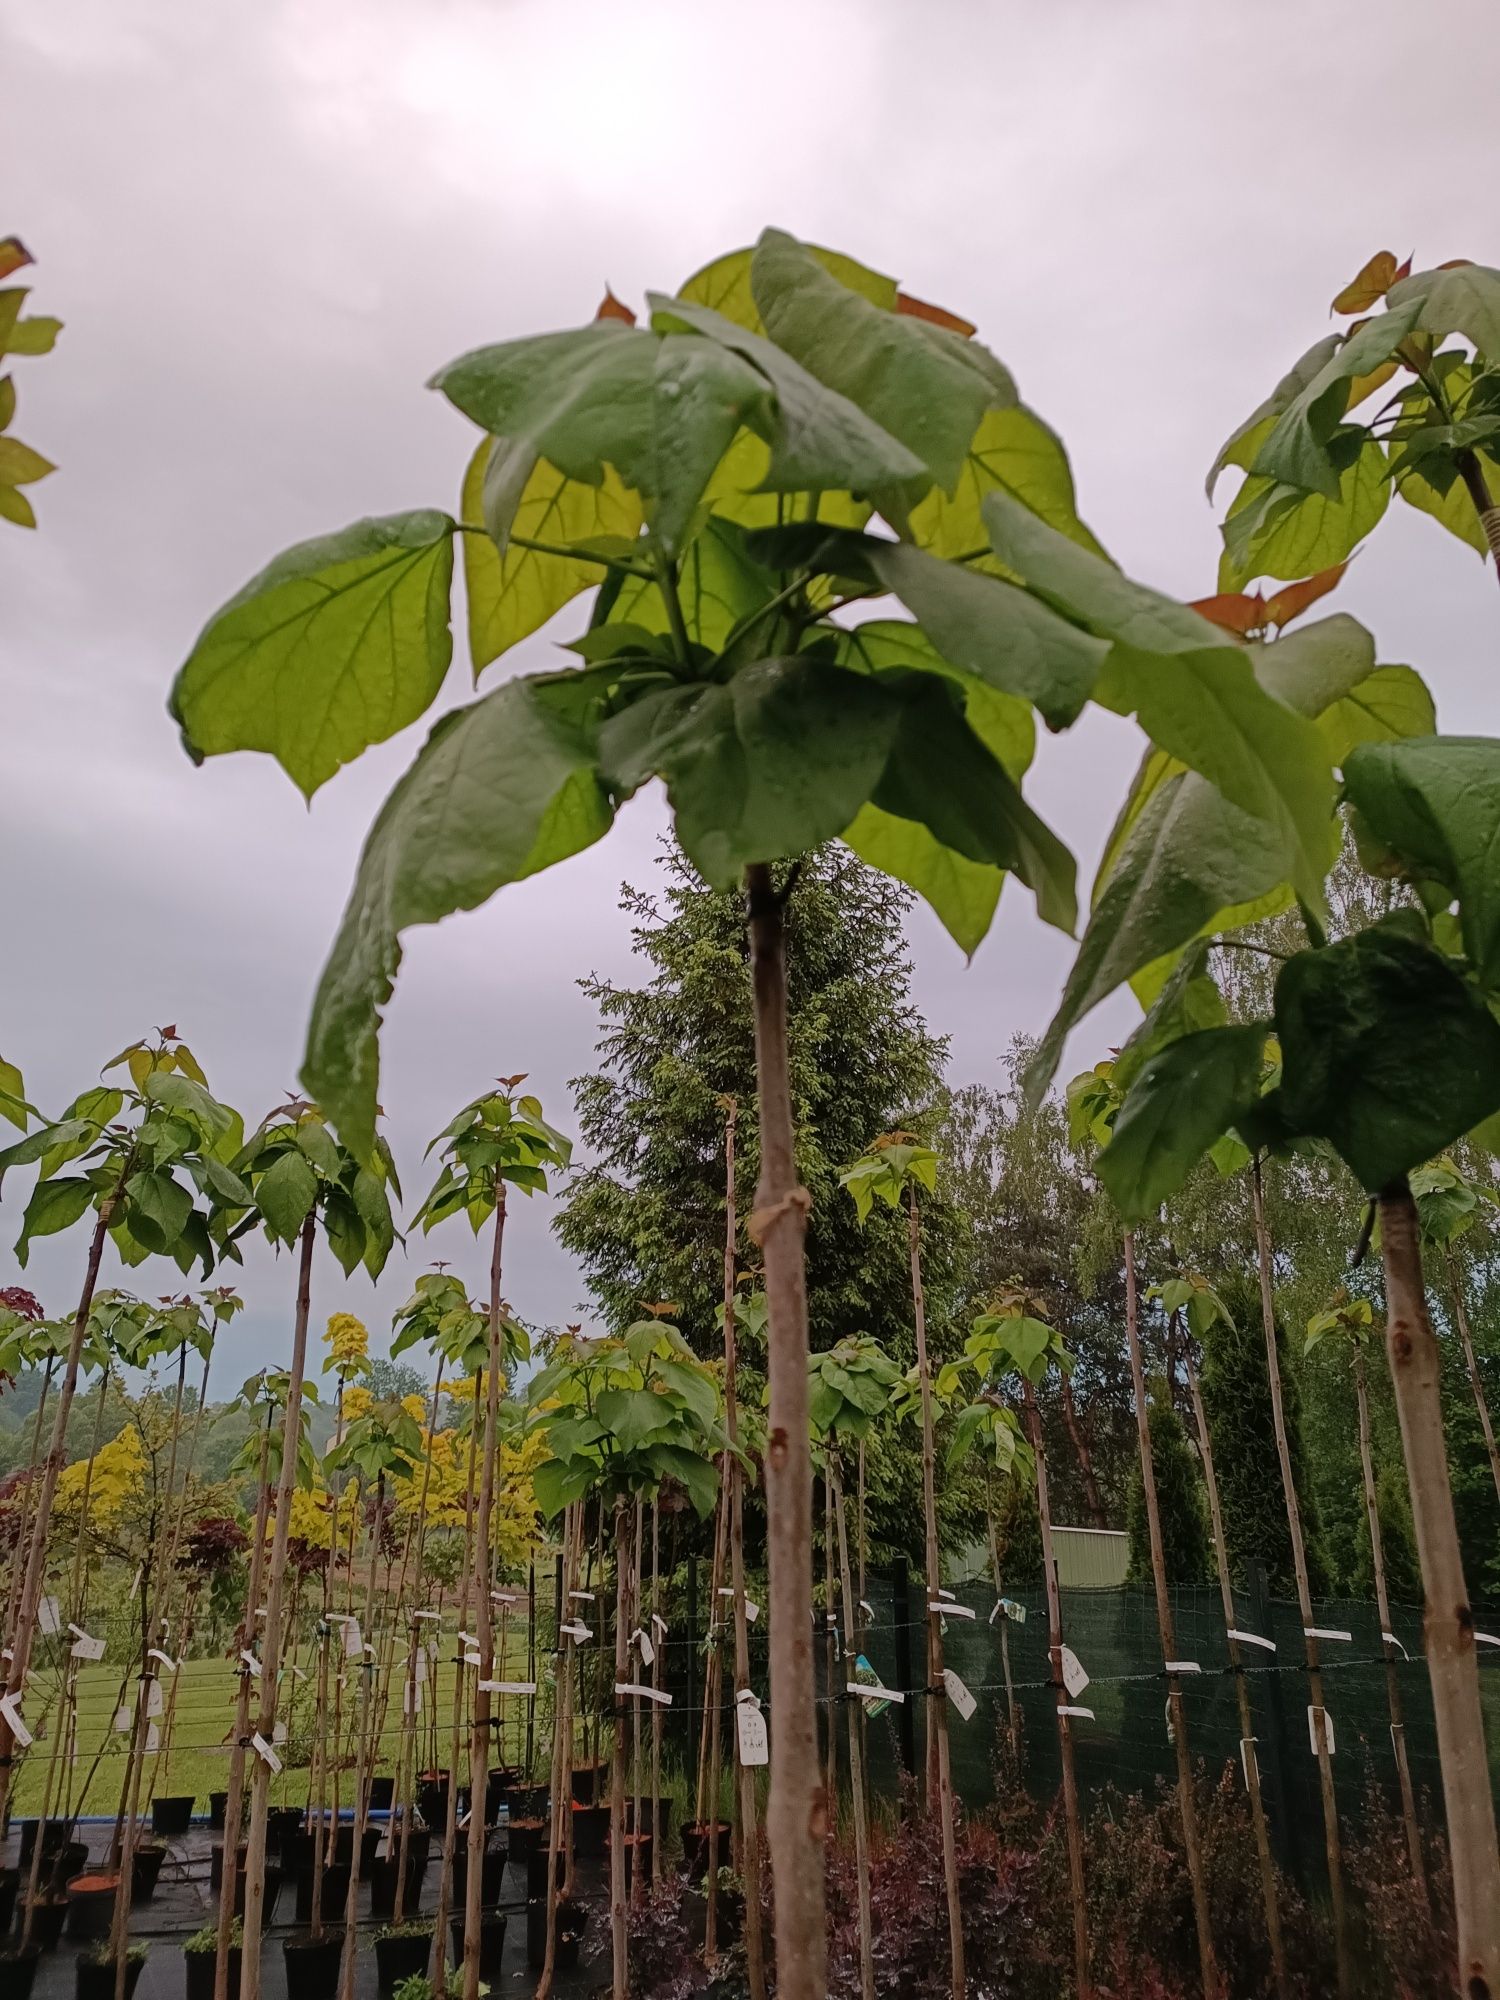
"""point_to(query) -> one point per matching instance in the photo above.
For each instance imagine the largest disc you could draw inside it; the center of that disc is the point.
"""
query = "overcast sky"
(266, 225)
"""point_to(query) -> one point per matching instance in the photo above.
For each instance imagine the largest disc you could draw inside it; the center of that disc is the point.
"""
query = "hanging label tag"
(1326, 1632)
(658, 1695)
(264, 1751)
(411, 1699)
(166, 1659)
(419, 1666)
(278, 1733)
(867, 1607)
(505, 1598)
(251, 1662)
(154, 1702)
(153, 1740)
(644, 1646)
(1313, 1713)
(577, 1631)
(47, 1617)
(10, 1708)
(875, 1692)
(581, 1596)
(354, 1639)
(1075, 1680)
(1251, 1639)
(85, 1648)
(472, 1659)
(1486, 1639)
(508, 1687)
(1247, 1758)
(436, 1615)
(1016, 1613)
(292, 1664)
(1391, 1640)
(952, 1610)
(945, 1593)
(958, 1694)
(750, 1726)
(124, 1722)
(658, 1625)
(1065, 1709)
(1183, 1667)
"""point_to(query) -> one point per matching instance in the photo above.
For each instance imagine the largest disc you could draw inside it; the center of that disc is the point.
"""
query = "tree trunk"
(1207, 1967)
(439, 1961)
(406, 1761)
(1093, 1499)
(1476, 1383)
(1003, 1622)
(1332, 1844)
(937, 1695)
(617, 1893)
(797, 1819)
(853, 1705)
(234, 1802)
(1413, 1352)
(41, 1521)
(1269, 1897)
(657, 1642)
(749, 1809)
(1083, 1984)
(364, 1759)
(260, 1771)
(484, 1564)
(560, 1811)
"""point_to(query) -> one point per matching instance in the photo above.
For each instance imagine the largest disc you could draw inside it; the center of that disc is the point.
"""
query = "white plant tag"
(752, 1611)
(1065, 1709)
(647, 1650)
(419, 1666)
(874, 1692)
(658, 1695)
(951, 1610)
(1075, 1680)
(46, 1616)
(945, 1593)
(1391, 1640)
(1326, 1632)
(958, 1694)
(428, 1614)
(85, 1648)
(507, 1598)
(411, 1699)
(10, 1708)
(124, 1722)
(1251, 1639)
(166, 1659)
(754, 1744)
(153, 1740)
(1313, 1713)
(1247, 1758)
(296, 1670)
(264, 1751)
(577, 1631)
(154, 1701)
(581, 1596)
(508, 1687)
(1486, 1639)
(1183, 1667)
(472, 1658)
(354, 1639)
(251, 1662)
(658, 1625)
(278, 1733)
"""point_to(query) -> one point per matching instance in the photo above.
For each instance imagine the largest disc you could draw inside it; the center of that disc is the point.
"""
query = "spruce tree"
(1180, 1500)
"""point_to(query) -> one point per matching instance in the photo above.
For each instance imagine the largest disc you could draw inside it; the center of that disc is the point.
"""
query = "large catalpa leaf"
(337, 644)
(1279, 530)
(1464, 299)
(1183, 863)
(500, 790)
(725, 284)
(1192, 687)
(1184, 1098)
(1012, 452)
(1242, 444)
(1296, 449)
(924, 384)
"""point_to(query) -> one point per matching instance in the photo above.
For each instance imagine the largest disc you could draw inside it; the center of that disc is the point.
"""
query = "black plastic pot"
(526, 1801)
(729, 1917)
(47, 1921)
(695, 1843)
(272, 1880)
(572, 1920)
(218, 1805)
(491, 1943)
(402, 1957)
(638, 1856)
(590, 1781)
(10, 1884)
(536, 1872)
(96, 1978)
(526, 1835)
(492, 1877)
(312, 1965)
(590, 1829)
(200, 1973)
(59, 1867)
(91, 1906)
(432, 1797)
(216, 1863)
(18, 1970)
(335, 1892)
(171, 1818)
(383, 1874)
(55, 1836)
(145, 1872)
(382, 1794)
(655, 1816)
(283, 1823)
(369, 1847)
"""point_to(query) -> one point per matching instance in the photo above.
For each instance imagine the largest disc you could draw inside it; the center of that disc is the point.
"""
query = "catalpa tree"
(784, 437)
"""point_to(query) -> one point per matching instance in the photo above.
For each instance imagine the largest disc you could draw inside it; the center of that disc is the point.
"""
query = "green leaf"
(54, 1206)
(725, 286)
(557, 1483)
(7, 401)
(285, 1194)
(189, 1100)
(513, 591)
(925, 384)
(964, 895)
(500, 790)
(1241, 446)
(374, 1208)
(698, 1477)
(157, 1209)
(1296, 450)
(719, 584)
(20, 465)
(1280, 531)
(819, 440)
(316, 1144)
(631, 1416)
(1435, 800)
(1387, 705)
(35, 335)
(16, 507)
(1012, 452)
(1464, 300)
(1194, 691)
(1182, 1101)
(774, 763)
(983, 626)
(337, 644)
(694, 1387)
(1455, 509)
(69, 1137)
(344, 1233)
(1386, 1053)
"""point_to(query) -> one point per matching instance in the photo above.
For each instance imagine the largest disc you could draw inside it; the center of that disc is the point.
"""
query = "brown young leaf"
(13, 254)
(1235, 611)
(935, 315)
(1403, 269)
(612, 308)
(1456, 264)
(1366, 385)
(1372, 283)
(1294, 600)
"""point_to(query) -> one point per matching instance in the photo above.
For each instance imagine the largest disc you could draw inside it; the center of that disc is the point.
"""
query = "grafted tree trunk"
(797, 1819)
(1269, 1898)
(1331, 1841)
(1412, 1349)
(618, 1917)
(1207, 1967)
